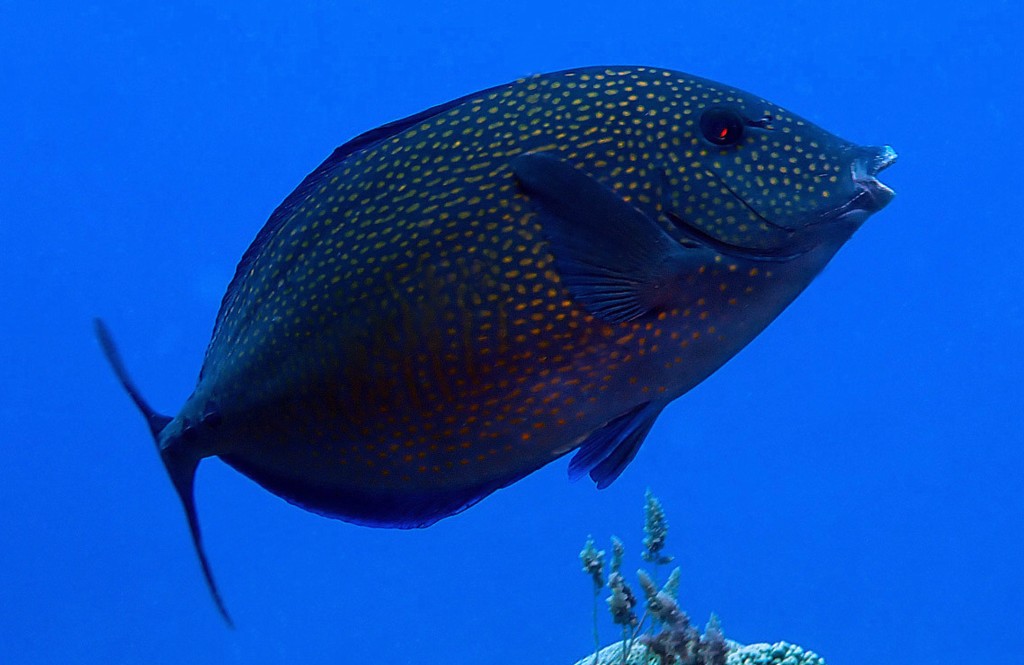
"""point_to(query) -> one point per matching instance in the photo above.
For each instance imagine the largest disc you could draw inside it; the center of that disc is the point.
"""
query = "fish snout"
(867, 163)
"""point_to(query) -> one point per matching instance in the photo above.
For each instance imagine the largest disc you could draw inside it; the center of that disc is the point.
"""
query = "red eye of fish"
(722, 126)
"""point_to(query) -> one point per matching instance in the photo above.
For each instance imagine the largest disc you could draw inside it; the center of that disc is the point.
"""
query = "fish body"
(453, 300)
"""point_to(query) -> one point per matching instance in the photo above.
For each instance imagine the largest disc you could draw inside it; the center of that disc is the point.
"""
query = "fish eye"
(722, 126)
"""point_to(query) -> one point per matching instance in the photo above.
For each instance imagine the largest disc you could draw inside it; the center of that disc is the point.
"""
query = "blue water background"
(852, 481)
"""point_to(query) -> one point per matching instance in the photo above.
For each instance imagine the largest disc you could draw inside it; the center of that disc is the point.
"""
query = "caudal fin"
(181, 468)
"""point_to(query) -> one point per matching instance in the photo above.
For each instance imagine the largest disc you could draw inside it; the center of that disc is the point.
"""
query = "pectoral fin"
(614, 260)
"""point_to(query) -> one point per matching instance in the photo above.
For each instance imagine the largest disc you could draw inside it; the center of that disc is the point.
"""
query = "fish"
(455, 299)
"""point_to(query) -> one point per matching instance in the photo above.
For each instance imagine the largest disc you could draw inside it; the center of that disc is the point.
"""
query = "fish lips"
(867, 195)
(872, 195)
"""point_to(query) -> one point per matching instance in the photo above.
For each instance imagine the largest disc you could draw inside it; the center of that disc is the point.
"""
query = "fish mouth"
(872, 195)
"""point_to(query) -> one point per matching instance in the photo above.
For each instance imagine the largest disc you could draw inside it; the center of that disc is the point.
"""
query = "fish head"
(755, 178)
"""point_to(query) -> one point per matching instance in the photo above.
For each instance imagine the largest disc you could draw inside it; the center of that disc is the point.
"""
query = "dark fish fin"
(608, 450)
(157, 422)
(613, 259)
(181, 468)
(372, 137)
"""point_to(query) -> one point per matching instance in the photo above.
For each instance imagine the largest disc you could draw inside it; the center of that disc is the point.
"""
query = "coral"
(618, 551)
(669, 638)
(593, 562)
(622, 601)
(713, 648)
(664, 634)
(780, 653)
(672, 585)
(612, 655)
(655, 530)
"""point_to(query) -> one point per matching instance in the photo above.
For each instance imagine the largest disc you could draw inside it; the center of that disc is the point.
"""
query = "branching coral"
(655, 530)
(669, 639)
(780, 653)
(664, 634)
